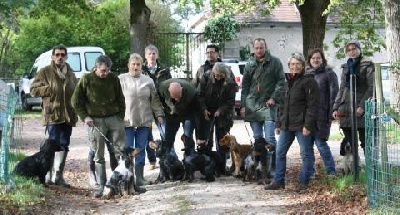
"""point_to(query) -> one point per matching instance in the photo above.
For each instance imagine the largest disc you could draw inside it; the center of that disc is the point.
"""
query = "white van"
(237, 69)
(81, 59)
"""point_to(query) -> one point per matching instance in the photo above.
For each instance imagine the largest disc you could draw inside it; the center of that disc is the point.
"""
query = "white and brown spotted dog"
(238, 152)
(122, 180)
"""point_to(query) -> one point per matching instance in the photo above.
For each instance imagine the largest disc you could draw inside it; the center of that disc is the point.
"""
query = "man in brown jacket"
(55, 84)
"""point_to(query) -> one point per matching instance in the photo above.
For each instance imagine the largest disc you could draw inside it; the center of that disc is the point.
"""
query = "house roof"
(282, 13)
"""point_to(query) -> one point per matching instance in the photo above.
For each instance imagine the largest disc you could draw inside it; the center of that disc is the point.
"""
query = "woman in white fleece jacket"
(141, 101)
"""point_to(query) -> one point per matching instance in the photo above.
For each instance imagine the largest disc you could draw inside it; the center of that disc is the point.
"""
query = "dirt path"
(227, 195)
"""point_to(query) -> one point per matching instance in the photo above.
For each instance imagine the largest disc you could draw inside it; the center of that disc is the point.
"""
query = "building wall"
(285, 39)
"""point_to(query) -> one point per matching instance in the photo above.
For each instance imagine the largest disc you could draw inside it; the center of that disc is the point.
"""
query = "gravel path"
(227, 195)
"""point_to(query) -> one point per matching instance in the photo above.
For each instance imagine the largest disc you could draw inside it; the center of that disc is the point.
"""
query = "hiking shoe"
(301, 188)
(331, 175)
(274, 186)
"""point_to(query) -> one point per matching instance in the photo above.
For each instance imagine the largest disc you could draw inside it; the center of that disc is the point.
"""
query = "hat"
(353, 42)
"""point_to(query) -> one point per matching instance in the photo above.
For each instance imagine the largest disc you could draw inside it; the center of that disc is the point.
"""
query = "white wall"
(284, 40)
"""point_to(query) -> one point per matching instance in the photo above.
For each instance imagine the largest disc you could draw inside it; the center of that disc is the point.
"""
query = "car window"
(32, 73)
(90, 59)
(74, 61)
(385, 73)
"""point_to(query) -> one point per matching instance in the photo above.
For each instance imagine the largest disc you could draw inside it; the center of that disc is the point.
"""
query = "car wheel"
(24, 103)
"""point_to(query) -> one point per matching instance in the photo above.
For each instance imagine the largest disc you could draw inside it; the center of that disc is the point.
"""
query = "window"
(74, 61)
(90, 58)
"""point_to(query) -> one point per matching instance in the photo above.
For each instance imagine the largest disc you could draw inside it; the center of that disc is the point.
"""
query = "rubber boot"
(101, 172)
(140, 181)
(92, 170)
(59, 164)
(49, 175)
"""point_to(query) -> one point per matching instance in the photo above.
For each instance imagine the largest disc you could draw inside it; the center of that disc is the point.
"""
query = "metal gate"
(183, 53)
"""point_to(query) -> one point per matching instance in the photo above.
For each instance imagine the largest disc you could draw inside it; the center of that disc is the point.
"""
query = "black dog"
(194, 161)
(122, 180)
(220, 168)
(39, 163)
(171, 168)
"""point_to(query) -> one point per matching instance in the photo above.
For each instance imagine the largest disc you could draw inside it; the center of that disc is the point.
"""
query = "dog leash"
(248, 134)
(108, 142)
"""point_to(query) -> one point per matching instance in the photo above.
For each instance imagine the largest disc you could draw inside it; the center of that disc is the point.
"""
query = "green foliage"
(221, 29)
(244, 52)
(359, 21)
(78, 23)
(26, 191)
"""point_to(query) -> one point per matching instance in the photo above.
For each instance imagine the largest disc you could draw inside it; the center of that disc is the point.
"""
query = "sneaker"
(152, 165)
(274, 186)
(301, 188)
(331, 175)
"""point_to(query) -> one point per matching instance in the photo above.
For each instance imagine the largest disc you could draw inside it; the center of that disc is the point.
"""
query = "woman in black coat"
(217, 91)
(328, 88)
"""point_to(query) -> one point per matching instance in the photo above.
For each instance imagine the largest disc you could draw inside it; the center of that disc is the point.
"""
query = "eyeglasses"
(59, 54)
(352, 49)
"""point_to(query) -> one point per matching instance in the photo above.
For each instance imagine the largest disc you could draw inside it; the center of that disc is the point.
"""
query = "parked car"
(385, 72)
(237, 69)
(81, 59)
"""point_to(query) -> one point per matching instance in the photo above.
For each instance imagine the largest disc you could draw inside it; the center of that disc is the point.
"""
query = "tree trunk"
(392, 14)
(313, 23)
(139, 21)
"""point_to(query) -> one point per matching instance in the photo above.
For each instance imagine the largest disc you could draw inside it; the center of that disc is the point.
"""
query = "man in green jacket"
(181, 103)
(262, 85)
(55, 84)
(100, 103)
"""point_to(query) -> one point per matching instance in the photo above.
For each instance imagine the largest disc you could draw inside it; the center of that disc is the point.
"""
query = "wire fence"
(10, 132)
(383, 156)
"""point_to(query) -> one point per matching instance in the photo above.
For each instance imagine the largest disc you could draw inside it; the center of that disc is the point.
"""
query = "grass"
(25, 191)
(183, 203)
(28, 114)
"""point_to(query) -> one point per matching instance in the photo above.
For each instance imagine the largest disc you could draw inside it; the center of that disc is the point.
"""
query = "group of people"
(120, 109)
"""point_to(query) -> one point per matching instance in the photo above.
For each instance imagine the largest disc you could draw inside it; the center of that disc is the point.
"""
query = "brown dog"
(238, 152)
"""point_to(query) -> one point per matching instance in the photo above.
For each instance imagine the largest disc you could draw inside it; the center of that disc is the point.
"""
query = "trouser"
(112, 127)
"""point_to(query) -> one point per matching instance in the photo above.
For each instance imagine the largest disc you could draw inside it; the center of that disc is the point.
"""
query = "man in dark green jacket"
(100, 103)
(180, 101)
(262, 85)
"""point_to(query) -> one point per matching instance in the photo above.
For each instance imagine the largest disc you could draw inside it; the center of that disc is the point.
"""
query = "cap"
(353, 42)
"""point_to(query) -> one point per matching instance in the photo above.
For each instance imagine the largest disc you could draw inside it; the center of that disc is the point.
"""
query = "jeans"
(188, 127)
(286, 139)
(269, 134)
(60, 133)
(138, 138)
(269, 131)
(326, 155)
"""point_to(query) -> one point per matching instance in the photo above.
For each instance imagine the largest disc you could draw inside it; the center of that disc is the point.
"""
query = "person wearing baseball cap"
(363, 69)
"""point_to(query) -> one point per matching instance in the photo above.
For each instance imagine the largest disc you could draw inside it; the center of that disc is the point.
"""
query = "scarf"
(354, 68)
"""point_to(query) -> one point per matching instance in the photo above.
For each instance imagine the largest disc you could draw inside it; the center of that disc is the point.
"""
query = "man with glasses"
(262, 85)
(212, 54)
(55, 84)
(100, 103)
